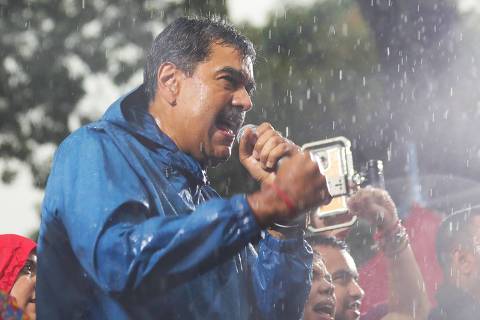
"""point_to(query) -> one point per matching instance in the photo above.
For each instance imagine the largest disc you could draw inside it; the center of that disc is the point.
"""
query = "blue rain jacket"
(131, 229)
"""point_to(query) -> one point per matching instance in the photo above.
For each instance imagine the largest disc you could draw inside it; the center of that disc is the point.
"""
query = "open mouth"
(229, 122)
(325, 310)
(355, 308)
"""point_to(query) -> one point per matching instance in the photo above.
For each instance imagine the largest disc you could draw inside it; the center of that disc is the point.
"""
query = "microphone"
(241, 131)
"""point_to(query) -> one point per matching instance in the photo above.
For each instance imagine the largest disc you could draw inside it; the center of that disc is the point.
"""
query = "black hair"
(321, 240)
(186, 42)
(454, 231)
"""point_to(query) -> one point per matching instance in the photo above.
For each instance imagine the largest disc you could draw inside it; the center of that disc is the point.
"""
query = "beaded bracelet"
(379, 235)
(395, 242)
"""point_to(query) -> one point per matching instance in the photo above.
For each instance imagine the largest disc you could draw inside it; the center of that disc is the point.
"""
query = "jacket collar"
(131, 113)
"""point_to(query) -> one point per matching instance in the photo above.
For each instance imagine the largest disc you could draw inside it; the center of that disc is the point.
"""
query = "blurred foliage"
(41, 43)
(374, 71)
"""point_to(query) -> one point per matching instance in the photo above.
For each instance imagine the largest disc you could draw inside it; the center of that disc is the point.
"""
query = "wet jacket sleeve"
(281, 275)
(118, 238)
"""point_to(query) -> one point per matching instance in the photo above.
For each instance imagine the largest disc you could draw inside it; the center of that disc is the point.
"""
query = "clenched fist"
(298, 179)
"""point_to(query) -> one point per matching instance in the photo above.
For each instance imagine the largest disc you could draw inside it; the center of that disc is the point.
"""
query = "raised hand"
(376, 206)
(260, 151)
(299, 180)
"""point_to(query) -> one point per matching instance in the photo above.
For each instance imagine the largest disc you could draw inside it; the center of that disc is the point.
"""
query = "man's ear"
(168, 82)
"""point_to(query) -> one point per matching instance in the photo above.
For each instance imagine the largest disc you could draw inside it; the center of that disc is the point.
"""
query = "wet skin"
(321, 299)
(206, 109)
(24, 287)
(344, 273)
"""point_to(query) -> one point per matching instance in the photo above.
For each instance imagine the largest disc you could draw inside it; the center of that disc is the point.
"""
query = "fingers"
(247, 143)
(321, 183)
(265, 143)
(276, 153)
(271, 146)
(325, 194)
(374, 205)
(264, 132)
(262, 128)
(368, 197)
(360, 201)
(302, 179)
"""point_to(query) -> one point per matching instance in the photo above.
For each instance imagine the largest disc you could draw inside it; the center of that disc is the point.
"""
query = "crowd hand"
(375, 206)
(261, 150)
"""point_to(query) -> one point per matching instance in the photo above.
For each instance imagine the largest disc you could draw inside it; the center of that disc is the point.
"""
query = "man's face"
(212, 103)
(344, 273)
(321, 300)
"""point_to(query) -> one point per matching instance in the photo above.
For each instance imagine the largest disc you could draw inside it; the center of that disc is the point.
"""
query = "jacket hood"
(14, 252)
(130, 112)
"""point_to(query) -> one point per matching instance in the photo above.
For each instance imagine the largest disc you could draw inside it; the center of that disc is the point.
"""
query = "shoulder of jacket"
(86, 136)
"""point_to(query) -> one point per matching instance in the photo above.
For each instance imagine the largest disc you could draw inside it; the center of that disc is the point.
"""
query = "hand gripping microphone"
(241, 132)
(300, 221)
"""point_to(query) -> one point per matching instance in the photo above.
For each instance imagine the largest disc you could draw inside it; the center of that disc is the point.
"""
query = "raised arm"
(121, 235)
(281, 273)
(407, 289)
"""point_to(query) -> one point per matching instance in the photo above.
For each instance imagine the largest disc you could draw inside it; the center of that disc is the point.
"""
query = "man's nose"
(355, 290)
(242, 99)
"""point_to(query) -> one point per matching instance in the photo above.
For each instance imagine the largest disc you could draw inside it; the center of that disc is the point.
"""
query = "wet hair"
(188, 41)
(320, 240)
(454, 231)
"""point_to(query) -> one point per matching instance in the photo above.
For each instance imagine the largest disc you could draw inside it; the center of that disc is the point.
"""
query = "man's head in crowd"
(199, 78)
(458, 250)
(18, 270)
(344, 273)
(321, 300)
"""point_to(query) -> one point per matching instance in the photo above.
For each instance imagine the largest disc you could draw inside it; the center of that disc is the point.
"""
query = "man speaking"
(130, 227)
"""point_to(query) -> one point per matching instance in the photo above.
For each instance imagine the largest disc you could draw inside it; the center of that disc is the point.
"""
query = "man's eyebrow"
(345, 273)
(249, 83)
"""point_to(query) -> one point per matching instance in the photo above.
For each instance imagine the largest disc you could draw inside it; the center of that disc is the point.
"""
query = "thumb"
(247, 143)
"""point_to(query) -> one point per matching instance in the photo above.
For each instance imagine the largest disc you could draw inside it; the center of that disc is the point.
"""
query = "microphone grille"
(241, 131)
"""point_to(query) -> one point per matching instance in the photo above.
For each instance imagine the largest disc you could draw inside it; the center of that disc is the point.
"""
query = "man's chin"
(347, 315)
(352, 314)
(219, 157)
